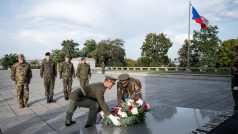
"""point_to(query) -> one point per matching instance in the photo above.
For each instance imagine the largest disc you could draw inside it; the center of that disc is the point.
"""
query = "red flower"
(145, 106)
(116, 110)
(136, 99)
(129, 108)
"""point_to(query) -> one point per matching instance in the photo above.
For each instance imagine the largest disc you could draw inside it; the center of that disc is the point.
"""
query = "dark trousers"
(234, 83)
(49, 83)
(86, 103)
(235, 97)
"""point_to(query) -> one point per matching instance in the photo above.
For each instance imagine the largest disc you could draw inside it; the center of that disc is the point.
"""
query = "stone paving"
(41, 117)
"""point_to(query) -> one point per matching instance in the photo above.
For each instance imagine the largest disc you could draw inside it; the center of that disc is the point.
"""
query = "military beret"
(111, 78)
(123, 77)
(21, 56)
(67, 56)
(47, 54)
(82, 59)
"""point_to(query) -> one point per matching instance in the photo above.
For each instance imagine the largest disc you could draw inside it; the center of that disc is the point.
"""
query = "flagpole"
(188, 53)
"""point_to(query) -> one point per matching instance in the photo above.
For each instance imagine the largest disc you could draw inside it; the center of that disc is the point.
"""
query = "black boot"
(86, 126)
(48, 99)
(66, 98)
(69, 123)
(51, 99)
(68, 120)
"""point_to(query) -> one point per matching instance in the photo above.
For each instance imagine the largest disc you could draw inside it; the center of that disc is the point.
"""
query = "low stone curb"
(179, 76)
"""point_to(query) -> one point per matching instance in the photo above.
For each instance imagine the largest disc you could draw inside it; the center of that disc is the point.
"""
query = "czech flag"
(199, 19)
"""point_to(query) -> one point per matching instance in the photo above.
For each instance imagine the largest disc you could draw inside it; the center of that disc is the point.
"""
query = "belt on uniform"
(82, 90)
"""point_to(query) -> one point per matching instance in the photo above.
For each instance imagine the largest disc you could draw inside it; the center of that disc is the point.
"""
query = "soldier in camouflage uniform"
(92, 97)
(83, 72)
(234, 80)
(66, 74)
(48, 71)
(128, 87)
(21, 76)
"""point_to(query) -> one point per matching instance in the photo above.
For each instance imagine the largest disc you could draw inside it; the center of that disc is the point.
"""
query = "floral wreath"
(129, 112)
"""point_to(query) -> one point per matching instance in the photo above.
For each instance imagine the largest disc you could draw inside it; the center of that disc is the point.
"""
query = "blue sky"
(33, 27)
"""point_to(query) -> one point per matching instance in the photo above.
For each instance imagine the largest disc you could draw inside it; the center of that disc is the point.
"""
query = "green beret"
(21, 56)
(123, 77)
(111, 78)
(67, 56)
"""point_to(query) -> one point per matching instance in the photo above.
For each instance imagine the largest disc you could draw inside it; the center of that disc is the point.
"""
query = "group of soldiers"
(88, 95)
(21, 76)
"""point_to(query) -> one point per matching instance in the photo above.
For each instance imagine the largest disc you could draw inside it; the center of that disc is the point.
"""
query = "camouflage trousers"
(83, 82)
(22, 93)
(49, 83)
(67, 84)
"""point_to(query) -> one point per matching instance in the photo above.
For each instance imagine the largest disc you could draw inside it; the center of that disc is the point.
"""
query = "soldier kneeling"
(128, 88)
(91, 96)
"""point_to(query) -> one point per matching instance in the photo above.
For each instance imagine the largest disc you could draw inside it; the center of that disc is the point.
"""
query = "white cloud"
(47, 23)
(81, 12)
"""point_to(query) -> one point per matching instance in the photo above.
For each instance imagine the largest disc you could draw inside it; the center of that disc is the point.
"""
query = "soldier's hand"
(102, 114)
(114, 120)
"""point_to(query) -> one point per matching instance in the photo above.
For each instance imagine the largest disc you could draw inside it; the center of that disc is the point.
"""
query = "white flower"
(134, 111)
(123, 114)
(129, 102)
(140, 102)
(119, 112)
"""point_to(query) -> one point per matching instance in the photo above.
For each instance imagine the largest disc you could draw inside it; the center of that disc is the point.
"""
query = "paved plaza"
(41, 117)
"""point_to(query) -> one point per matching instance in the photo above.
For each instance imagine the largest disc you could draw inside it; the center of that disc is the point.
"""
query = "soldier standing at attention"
(83, 72)
(66, 74)
(128, 88)
(48, 71)
(92, 97)
(234, 80)
(103, 67)
(21, 76)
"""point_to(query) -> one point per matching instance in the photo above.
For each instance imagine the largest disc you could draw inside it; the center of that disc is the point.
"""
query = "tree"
(207, 44)
(111, 52)
(8, 60)
(194, 57)
(89, 46)
(226, 51)
(144, 62)
(203, 48)
(69, 47)
(155, 47)
(131, 63)
(35, 64)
